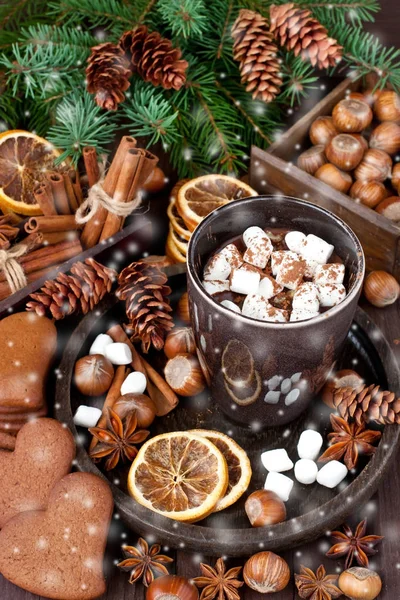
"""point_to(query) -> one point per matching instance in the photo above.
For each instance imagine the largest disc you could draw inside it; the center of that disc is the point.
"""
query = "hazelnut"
(183, 308)
(381, 288)
(266, 572)
(172, 587)
(376, 165)
(361, 139)
(351, 116)
(312, 159)
(390, 208)
(322, 131)
(143, 406)
(184, 375)
(386, 137)
(396, 177)
(343, 378)
(345, 152)
(155, 181)
(93, 375)
(334, 177)
(179, 341)
(358, 583)
(387, 106)
(264, 508)
(370, 193)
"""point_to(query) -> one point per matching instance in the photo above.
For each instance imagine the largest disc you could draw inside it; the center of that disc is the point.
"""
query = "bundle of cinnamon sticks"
(60, 193)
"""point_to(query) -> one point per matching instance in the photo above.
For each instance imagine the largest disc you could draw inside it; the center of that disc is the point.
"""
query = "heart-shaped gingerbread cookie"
(58, 553)
(43, 454)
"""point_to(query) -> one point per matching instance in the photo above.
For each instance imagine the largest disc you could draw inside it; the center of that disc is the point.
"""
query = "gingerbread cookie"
(58, 553)
(43, 454)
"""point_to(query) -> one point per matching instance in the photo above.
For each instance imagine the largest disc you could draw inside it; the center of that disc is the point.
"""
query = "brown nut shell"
(183, 308)
(396, 177)
(144, 408)
(172, 587)
(184, 375)
(381, 288)
(370, 193)
(155, 181)
(179, 341)
(339, 180)
(387, 106)
(361, 139)
(390, 208)
(264, 508)
(358, 583)
(93, 375)
(322, 131)
(345, 152)
(376, 165)
(386, 137)
(266, 572)
(312, 159)
(343, 378)
(352, 116)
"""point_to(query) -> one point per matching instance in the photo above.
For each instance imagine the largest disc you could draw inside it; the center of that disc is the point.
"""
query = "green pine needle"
(298, 77)
(186, 18)
(79, 123)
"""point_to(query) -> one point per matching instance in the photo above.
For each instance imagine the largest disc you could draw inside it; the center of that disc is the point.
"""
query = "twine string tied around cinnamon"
(13, 271)
(98, 197)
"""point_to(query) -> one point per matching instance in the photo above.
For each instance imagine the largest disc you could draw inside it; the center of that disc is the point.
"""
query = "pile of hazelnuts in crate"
(354, 150)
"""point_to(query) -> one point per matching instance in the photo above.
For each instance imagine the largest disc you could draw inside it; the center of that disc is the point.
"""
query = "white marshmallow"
(305, 471)
(214, 287)
(232, 255)
(231, 306)
(272, 397)
(100, 344)
(119, 353)
(292, 396)
(332, 474)
(330, 273)
(217, 269)
(311, 266)
(291, 272)
(254, 234)
(277, 258)
(258, 252)
(254, 305)
(310, 444)
(330, 294)
(315, 248)
(87, 416)
(306, 298)
(280, 484)
(274, 315)
(269, 287)
(295, 241)
(245, 280)
(135, 383)
(302, 315)
(276, 460)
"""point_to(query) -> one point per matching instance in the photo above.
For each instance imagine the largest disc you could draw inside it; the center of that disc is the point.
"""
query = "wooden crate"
(275, 171)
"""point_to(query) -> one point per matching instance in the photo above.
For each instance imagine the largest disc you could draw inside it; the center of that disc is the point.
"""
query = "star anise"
(143, 563)
(118, 440)
(355, 545)
(316, 586)
(348, 440)
(218, 582)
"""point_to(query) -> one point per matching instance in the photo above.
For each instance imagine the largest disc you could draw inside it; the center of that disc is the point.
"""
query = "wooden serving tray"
(312, 510)
(275, 170)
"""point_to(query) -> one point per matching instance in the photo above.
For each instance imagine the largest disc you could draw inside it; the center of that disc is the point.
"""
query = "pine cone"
(367, 403)
(78, 292)
(143, 288)
(108, 75)
(256, 51)
(154, 58)
(296, 29)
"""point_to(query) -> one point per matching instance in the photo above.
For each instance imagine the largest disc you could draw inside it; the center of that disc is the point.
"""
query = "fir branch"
(80, 122)
(151, 115)
(298, 78)
(187, 18)
(341, 11)
(43, 35)
(225, 33)
(146, 10)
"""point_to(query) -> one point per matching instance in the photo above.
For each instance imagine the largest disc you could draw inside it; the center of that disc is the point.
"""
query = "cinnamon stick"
(51, 224)
(112, 396)
(54, 237)
(126, 188)
(61, 203)
(72, 201)
(158, 389)
(148, 166)
(76, 184)
(44, 197)
(91, 164)
(93, 228)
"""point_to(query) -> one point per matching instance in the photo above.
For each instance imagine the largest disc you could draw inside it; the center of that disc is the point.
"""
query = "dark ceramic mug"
(244, 359)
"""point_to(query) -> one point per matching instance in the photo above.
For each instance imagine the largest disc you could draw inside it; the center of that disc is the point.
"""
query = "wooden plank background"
(382, 511)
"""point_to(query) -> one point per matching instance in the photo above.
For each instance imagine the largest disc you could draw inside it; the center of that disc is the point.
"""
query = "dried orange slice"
(178, 224)
(179, 475)
(173, 252)
(198, 197)
(24, 160)
(239, 467)
(178, 241)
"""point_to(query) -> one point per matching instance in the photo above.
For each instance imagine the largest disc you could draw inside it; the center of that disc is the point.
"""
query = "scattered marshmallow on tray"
(305, 471)
(87, 416)
(276, 460)
(278, 278)
(100, 344)
(119, 353)
(134, 383)
(332, 474)
(310, 444)
(280, 484)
